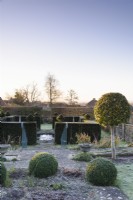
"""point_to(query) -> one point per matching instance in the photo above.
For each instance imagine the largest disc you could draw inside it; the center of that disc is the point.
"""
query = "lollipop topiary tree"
(110, 110)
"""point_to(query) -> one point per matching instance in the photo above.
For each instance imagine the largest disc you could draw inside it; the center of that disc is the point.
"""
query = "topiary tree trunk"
(113, 142)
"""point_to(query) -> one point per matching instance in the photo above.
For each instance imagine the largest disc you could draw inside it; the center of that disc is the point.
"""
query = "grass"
(73, 147)
(125, 171)
(46, 126)
(125, 179)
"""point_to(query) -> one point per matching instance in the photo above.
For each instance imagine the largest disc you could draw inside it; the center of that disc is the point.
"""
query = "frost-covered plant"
(43, 165)
(83, 138)
(83, 156)
(106, 142)
(101, 172)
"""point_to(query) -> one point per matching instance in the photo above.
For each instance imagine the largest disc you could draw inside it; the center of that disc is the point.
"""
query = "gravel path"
(70, 177)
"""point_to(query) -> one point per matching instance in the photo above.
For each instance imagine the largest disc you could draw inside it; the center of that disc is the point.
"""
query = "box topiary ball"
(60, 118)
(101, 172)
(3, 174)
(30, 118)
(43, 165)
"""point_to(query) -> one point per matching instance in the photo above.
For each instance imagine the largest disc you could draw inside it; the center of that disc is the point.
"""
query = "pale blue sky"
(86, 44)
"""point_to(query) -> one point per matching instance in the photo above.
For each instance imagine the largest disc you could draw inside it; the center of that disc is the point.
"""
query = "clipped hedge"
(66, 119)
(92, 129)
(31, 129)
(11, 131)
(73, 111)
(22, 110)
(23, 118)
(37, 119)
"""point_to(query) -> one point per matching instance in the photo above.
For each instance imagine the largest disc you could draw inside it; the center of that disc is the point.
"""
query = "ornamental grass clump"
(83, 138)
(43, 165)
(101, 172)
(106, 142)
(3, 174)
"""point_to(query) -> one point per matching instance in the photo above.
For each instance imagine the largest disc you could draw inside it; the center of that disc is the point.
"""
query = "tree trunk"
(113, 143)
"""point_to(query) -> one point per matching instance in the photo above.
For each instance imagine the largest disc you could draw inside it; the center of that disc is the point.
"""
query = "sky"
(86, 44)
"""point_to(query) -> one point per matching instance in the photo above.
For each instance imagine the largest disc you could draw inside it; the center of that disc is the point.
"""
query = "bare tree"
(72, 97)
(51, 86)
(31, 92)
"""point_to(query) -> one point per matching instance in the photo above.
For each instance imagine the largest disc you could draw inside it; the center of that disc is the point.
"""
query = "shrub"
(130, 145)
(83, 138)
(7, 114)
(83, 156)
(3, 174)
(2, 114)
(86, 116)
(60, 118)
(30, 118)
(43, 165)
(57, 186)
(36, 114)
(101, 172)
(2, 159)
(55, 114)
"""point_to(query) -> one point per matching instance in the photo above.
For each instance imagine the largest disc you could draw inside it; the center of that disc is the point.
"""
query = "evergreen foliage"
(101, 172)
(3, 174)
(112, 109)
(43, 165)
(83, 156)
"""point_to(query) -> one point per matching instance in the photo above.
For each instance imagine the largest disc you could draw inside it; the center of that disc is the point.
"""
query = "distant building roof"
(92, 103)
